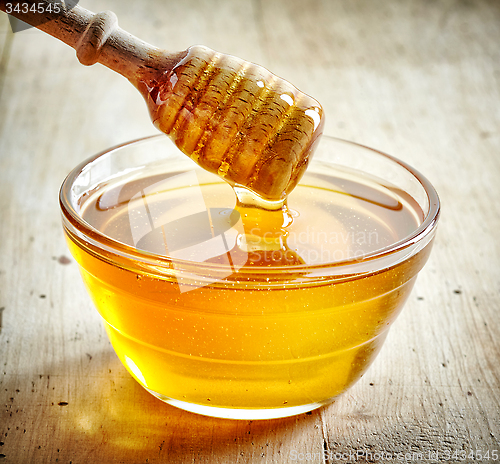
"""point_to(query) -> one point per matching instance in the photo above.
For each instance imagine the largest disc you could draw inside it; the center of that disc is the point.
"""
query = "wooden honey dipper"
(230, 116)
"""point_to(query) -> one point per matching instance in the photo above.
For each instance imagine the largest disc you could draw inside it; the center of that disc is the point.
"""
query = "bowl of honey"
(224, 305)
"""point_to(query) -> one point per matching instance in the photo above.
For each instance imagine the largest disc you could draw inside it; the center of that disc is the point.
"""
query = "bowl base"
(236, 413)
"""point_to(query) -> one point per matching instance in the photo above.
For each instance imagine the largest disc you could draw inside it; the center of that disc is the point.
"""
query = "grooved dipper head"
(236, 119)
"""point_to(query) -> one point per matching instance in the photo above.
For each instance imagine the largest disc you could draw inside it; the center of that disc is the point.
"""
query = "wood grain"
(417, 79)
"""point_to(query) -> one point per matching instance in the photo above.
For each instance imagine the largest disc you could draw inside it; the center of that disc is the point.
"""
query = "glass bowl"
(215, 308)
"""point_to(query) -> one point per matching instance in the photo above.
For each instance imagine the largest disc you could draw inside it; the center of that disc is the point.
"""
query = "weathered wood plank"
(420, 80)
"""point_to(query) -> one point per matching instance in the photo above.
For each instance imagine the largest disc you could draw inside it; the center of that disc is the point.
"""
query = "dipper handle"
(97, 38)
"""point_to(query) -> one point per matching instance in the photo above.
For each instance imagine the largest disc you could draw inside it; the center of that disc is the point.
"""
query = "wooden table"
(417, 79)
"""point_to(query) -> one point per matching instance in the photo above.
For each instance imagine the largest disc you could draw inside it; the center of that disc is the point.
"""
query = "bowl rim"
(423, 233)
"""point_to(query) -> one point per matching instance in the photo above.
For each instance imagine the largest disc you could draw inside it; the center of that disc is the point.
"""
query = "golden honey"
(236, 309)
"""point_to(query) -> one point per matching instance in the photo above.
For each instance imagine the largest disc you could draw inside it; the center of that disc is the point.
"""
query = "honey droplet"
(223, 169)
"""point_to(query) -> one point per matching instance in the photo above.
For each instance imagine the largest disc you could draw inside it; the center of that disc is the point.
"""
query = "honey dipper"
(230, 116)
